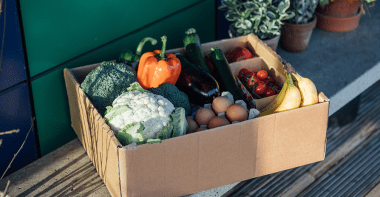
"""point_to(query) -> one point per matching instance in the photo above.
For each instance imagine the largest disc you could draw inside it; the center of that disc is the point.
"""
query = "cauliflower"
(174, 95)
(150, 109)
(137, 116)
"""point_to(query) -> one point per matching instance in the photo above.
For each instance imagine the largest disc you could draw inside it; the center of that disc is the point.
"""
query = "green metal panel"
(52, 114)
(56, 31)
(49, 91)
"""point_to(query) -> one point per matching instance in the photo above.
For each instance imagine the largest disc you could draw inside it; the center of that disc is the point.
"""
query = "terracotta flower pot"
(338, 24)
(272, 43)
(296, 37)
(340, 8)
(339, 15)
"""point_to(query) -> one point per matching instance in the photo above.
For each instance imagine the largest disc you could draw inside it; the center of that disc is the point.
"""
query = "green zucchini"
(225, 77)
(193, 49)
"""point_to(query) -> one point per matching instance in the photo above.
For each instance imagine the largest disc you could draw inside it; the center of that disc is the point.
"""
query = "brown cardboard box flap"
(95, 135)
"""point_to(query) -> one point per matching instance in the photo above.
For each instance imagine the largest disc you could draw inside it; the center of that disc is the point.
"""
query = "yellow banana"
(269, 109)
(292, 98)
(309, 94)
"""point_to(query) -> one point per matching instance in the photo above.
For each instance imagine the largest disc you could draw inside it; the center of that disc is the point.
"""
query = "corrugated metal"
(355, 176)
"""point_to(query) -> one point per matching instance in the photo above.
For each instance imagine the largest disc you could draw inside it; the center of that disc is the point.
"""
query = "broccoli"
(106, 82)
(174, 95)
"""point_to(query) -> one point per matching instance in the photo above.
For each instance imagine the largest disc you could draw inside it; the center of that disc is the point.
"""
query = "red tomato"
(270, 91)
(242, 54)
(269, 79)
(248, 75)
(262, 74)
(251, 81)
(261, 87)
(274, 87)
(242, 73)
(238, 53)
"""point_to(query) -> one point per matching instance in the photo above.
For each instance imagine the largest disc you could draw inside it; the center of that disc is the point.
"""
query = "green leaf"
(128, 57)
(112, 112)
(223, 7)
(249, 5)
(324, 2)
(283, 6)
(247, 13)
(135, 86)
(299, 20)
(232, 16)
(263, 28)
(277, 33)
(271, 15)
(246, 32)
(229, 3)
(258, 12)
(270, 25)
(108, 109)
(133, 132)
(239, 25)
(247, 24)
(180, 125)
(167, 131)
(256, 21)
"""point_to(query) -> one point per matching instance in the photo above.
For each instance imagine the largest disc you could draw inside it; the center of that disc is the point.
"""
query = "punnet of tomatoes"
(259, 83)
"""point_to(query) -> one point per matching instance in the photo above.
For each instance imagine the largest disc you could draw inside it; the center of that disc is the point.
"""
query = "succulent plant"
(303, 10)
(260, 17)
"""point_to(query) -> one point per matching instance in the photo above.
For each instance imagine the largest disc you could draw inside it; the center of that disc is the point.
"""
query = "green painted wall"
(49, 90)
(56, 31)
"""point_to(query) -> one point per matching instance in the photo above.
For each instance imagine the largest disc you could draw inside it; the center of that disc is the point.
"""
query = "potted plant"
(260, 17)
(340, 15)
(296, 32)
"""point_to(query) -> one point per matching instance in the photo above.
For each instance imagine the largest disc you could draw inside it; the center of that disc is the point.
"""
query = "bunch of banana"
(302, 92)
(307, 88)
(288, 98)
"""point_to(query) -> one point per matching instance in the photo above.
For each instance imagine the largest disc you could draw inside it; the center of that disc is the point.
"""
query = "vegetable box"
(208, 159)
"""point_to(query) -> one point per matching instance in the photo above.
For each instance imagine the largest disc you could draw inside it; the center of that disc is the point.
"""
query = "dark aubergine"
(200, 86)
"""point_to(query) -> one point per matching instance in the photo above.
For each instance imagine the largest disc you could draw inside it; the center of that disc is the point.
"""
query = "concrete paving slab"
(342, 65)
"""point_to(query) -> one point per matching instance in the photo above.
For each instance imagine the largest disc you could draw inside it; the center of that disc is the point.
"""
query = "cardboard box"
(208, 159)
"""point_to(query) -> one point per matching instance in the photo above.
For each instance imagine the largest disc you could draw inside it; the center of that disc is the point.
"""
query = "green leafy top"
(260, 17)
(303, 10)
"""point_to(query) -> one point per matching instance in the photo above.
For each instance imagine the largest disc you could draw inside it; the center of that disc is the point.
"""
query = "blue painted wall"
(15, 104)
(15, 113)
(13, 65)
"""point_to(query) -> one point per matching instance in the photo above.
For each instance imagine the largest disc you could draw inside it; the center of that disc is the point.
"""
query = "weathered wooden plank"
(375, 192)
(332, 159)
